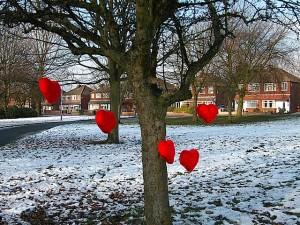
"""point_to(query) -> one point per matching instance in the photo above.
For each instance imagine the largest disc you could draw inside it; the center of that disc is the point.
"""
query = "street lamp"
(61, 105)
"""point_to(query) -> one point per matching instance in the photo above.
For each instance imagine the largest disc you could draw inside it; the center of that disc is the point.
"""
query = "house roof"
(208, 78)
(80, 90)
(273, 74)
(102, 89)
(165, 85)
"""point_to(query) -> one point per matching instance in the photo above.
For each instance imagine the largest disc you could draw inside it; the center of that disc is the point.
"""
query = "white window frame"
(285, 85)
(273, 102)
(210, 90)
(269, 87)
(249, 102)
(254, 87)
(240, 86)
(202, 91)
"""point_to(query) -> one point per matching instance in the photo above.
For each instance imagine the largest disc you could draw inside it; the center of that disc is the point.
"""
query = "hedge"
(183, 109)
(15, 112)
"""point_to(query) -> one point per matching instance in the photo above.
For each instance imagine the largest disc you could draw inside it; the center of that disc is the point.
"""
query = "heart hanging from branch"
(166, 150)
(208, 113)
(50, 90)
(189, 159)
(106, 121)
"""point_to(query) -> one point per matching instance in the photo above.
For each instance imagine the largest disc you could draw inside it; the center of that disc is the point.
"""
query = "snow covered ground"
(5, 123)
(248, 174)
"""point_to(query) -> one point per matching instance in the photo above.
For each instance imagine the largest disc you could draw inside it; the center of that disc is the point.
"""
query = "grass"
(222, 120)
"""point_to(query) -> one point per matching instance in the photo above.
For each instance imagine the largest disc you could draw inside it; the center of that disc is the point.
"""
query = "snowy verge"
(7, 123)
(248, 174)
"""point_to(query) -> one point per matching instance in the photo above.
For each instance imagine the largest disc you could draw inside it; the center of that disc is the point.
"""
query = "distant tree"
(246, 56)
(15, 65)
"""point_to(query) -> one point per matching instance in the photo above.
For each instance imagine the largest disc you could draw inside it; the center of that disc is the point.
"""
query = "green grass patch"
(222, 120)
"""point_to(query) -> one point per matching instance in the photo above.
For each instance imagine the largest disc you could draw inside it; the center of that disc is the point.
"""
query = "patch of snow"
(247, 174)
(7, 123)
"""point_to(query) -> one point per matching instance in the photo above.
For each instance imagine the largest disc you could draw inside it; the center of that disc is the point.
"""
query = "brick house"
(76, 99)
(100, 99)
(276, 90)
(210, 93)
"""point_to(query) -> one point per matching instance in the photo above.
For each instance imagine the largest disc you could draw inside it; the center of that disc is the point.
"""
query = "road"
(11, 134)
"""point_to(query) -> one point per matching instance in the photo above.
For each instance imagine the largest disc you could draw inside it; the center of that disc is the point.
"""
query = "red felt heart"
(44, 85)
(189, 159)
(50, 90)
(106, 121)
(208, 113)
(166, 150)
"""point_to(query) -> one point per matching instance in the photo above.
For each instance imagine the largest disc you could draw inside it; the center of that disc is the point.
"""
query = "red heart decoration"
(189, 159)
(50, 90)
(166, 150)
(44, 84)
(208, 113)
(106, 121)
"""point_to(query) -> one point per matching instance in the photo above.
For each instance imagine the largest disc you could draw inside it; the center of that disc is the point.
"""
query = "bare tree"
(245, 57)
(95, 28)
(14, 65)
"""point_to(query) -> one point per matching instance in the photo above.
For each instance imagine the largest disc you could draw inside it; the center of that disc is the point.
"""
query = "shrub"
(171, 109)
(281, 110)
(15, 112)
(2, 114)
(184, 109)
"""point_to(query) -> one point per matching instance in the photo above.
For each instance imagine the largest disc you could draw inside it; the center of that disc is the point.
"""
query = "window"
(98, 95)
(210, 90)
(74, 97)
(268, 104)
(202, 90)
(270, 87)
(105, 95)
(105, 106)
(284, 86)
(253, 87)
(252, 104)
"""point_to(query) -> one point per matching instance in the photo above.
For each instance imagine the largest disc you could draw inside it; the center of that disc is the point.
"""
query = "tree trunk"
(152, 114)
(195, 100)
(115, 99)
(156, 196)
(229, 109)
(6, 97)
(239, 112)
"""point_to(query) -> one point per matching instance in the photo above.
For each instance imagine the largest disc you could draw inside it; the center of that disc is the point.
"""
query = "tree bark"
(239, 112)
(115, 100)
(229, 108)
(156, 196)
(195, 100)
(152, 114)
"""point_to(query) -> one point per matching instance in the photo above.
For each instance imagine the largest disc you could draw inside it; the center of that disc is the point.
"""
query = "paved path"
(11, 134)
